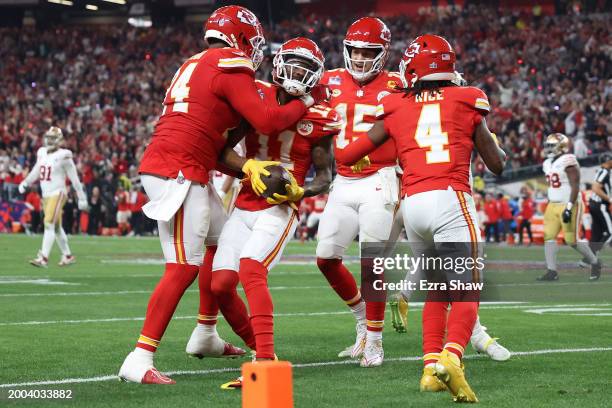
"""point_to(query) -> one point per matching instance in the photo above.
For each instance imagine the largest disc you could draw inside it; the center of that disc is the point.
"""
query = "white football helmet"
(53, 138)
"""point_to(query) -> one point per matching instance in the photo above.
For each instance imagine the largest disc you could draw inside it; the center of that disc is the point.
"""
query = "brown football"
(276, 181)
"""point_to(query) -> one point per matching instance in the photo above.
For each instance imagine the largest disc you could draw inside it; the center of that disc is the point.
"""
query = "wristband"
(569, 206)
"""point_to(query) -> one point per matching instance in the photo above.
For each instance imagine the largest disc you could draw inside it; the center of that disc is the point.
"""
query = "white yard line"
(302, 365)
(418, 306)
(133, 292)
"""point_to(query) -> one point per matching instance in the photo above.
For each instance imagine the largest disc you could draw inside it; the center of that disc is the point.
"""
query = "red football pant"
(340, 279)
(458, 328)
(163, 303)
(223, 287)
(254, 279)
(209, 308)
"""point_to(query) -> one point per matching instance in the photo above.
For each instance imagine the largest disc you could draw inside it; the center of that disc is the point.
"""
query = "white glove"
(22, 187)
(82, 204)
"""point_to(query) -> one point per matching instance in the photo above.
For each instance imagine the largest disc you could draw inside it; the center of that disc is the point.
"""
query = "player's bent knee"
(329, 251)
(224, 282)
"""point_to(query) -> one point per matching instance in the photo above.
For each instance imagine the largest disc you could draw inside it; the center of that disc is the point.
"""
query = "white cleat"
(67, 260)
(483, 343)
(356, 350)
(139, 369)
(40, 261)
(205, 344)
(373, 354)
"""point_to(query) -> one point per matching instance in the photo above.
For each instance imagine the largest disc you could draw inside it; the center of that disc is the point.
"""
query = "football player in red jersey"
(258, 229)
(436, 124)
(208, 96)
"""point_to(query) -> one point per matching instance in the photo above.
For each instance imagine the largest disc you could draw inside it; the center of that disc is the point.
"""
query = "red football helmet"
(428, 58)
(367, 32)
(238, 27)
(295, 76)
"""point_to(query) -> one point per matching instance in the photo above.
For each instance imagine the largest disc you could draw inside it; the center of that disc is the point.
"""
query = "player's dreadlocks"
(429, 86)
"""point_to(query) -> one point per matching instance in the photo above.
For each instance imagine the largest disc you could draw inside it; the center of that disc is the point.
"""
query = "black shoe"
(550, 275)
(595, 271)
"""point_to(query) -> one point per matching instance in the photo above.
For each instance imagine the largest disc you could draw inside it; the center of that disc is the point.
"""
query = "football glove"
(361, 164)
(566, 216)
(82, 204)
(294, 193)
(22, 187)
(254, 169)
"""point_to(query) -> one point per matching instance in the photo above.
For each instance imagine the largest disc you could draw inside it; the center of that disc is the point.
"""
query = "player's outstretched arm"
(486, 145)
(322, 161)
(362, 146)
(240, 91)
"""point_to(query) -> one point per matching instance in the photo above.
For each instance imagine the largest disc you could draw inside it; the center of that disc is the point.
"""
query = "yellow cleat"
(451, 372)
(429, 381)
(399, 313)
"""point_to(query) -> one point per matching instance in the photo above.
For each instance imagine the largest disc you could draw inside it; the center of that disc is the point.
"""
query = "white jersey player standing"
(564, 210)
(53, 165)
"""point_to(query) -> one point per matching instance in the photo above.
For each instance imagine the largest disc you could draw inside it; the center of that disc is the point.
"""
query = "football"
(276, 181)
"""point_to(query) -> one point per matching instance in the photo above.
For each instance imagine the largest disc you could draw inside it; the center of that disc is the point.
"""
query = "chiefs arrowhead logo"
(305, 127)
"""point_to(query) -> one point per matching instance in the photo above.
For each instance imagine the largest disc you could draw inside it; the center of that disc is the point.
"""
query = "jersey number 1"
(429, 135)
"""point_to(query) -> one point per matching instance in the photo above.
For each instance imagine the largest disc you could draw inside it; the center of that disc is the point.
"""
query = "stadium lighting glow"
(140, 22)
(115, 1)
(91, 7)
(63, 2)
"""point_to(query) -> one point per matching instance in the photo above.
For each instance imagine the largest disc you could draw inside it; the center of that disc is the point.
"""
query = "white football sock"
(48, 238)
(144, 355)
(207, 328)
(550, 252)
(62, 240)
(373, 335)
(359, 311)
(584, 249)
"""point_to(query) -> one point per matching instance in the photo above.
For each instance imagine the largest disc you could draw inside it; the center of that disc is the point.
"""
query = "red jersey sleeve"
(477, 102)
(320, 121)
(239, 89)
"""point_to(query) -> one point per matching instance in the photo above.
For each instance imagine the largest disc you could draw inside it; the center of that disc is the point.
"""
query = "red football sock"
(223, 286)
(163, 302)
(340, 279)
(461, 321)
(209, 309)
(375, 316)
(254, 279)
(434, 327)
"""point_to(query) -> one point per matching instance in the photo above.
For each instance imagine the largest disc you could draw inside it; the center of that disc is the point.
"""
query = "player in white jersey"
(564, 209)
(53, 165)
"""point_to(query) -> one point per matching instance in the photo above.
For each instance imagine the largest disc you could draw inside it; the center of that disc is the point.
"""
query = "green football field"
(70, 329)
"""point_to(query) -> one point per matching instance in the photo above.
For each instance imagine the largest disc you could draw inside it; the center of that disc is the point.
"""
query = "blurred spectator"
(527, 211)
(33, 202)
(137, 200)
(505, 214)
(492, 217)
(95, 212)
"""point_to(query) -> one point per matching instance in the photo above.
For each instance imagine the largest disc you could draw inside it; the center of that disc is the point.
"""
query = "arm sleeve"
(33, 174)
(355, 151)
(71, 171)
(240, 91)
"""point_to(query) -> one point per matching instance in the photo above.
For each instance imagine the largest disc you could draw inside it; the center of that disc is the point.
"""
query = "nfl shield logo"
(335, 81)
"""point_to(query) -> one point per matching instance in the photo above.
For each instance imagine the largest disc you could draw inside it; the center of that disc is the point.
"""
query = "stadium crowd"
(103, 86)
